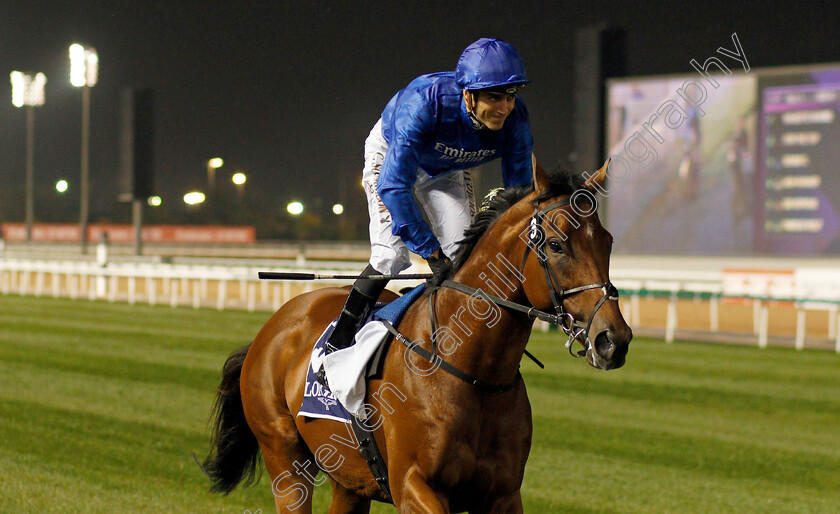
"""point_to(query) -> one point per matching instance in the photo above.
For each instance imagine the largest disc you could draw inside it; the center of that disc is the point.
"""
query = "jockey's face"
(490, 107)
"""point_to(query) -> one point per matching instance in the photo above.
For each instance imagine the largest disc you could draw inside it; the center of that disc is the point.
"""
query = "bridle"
(562, 318)
(565, 320)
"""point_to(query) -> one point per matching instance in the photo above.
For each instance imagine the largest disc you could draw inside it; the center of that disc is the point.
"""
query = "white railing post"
(151, 289)
(221, 294)
(671, 320)
(74, 286)
(714, 314)
(196, 294)
(113, 282)
(132, 290)
(173, 294)
(763, 326)
(24, 283)
(91, 286)
(39, 283)
(635, 309)
(252, 296)
(276, 299)
(626, 311)
(837, 334)
(800, 328)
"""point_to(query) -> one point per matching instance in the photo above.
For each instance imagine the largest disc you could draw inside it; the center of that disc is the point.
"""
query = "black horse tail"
(235, 451)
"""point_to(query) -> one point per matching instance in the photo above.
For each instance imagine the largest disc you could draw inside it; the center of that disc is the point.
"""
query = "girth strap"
(449, 368)
(369, 451)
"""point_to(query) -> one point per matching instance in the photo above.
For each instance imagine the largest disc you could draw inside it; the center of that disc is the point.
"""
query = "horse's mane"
(498, 201)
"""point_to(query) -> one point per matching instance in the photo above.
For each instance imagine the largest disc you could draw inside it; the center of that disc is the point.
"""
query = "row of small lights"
(197, 197)
(62, 186)
(296, 208)
(28, 90)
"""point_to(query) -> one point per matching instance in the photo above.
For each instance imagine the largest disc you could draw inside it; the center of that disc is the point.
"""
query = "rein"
(562, 318)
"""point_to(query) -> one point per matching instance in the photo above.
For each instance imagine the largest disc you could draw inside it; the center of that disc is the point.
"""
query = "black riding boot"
(362, 297)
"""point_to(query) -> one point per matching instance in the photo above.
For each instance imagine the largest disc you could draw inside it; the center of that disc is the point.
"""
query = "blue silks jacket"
(427, 126)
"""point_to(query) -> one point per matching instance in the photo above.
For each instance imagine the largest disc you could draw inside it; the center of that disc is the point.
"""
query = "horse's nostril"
(605, 344)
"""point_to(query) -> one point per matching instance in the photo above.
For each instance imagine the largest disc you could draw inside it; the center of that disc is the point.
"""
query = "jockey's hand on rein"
(440, 265)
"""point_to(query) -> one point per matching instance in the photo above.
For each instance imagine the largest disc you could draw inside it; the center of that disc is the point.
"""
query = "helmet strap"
(469, 102)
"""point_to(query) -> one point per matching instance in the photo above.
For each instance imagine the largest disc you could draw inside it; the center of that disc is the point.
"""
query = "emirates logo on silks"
(460, 155)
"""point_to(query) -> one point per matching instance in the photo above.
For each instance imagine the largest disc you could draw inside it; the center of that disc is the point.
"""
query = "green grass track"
(102, 406)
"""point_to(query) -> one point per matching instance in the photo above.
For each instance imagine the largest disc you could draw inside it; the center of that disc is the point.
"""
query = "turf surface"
(102, 405)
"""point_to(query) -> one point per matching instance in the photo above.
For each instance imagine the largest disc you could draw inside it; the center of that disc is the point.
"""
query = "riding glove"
(441, 267)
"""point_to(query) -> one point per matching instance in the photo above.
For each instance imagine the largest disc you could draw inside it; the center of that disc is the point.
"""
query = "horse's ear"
(597, 179)
(541, 180)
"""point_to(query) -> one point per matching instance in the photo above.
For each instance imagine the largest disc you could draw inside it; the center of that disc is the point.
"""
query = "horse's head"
(566, 268)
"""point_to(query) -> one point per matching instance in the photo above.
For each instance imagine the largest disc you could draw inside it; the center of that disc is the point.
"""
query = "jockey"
(427, 140)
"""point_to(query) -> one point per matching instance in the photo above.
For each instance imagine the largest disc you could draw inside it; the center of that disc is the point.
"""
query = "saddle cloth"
(346, 368)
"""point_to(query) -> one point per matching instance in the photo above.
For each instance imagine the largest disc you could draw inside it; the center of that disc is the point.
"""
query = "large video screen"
(744, 168)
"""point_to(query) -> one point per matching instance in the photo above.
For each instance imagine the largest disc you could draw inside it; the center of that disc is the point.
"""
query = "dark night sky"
(288, 91)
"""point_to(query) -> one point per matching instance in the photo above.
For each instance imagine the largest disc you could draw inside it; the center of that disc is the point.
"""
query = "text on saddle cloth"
(346, 368)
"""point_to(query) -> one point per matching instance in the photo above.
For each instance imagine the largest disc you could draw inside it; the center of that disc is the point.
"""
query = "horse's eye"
(555, 247)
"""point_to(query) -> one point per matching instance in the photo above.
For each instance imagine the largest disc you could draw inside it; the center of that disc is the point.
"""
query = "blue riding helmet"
(491, 63)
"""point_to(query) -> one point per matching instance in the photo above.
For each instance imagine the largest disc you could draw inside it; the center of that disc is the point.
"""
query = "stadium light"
(28, 90)
(84, 73)
(239, 179)
(61, 186)
(338, 209)
(212, 165)
(194, 198)
(295, 208)
(84, 66)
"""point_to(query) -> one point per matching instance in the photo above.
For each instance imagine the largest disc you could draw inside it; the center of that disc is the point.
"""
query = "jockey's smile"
(491, 108)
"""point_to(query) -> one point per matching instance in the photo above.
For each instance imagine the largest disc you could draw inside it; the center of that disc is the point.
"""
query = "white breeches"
(447, 201)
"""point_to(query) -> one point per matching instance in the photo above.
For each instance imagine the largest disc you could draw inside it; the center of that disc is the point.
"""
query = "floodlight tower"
(28, 90)
(84, 73)
(239, 180)
(212, 165)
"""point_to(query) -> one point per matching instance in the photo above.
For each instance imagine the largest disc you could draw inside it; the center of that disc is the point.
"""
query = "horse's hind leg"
(347, 502)
(290, 465)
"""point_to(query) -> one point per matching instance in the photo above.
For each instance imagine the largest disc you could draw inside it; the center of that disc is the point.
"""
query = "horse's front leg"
(416, 495)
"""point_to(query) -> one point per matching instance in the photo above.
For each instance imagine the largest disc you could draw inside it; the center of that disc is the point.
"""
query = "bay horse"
(449, 445)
